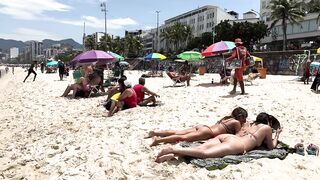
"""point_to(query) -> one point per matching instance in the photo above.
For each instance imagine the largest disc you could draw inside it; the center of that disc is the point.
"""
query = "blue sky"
(61, 19)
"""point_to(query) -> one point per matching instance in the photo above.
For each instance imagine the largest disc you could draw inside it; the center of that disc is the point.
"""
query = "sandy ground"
(44, 136)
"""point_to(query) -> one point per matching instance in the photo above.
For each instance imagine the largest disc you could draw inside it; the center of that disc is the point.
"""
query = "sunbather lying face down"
(229, 124)
(227, 144)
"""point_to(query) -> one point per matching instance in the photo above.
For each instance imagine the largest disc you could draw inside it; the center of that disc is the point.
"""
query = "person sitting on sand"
(141, 91)
(115, 89)
(256, 134)
(173, 75)
(127, 99)
(229, 124)
(90, 78)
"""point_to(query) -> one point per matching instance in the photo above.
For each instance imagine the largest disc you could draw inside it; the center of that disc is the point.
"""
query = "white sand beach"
(44, 136)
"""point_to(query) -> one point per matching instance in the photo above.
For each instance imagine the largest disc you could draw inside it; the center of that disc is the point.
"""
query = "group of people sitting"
(124, 96)
(231, 135)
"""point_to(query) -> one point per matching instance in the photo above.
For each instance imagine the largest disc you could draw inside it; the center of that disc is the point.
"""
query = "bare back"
(226, 126)
(255, 135)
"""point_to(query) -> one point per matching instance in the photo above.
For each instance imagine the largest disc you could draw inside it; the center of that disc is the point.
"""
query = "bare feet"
(163, 158)
(154, 141)
(165, 151)
(150, 134)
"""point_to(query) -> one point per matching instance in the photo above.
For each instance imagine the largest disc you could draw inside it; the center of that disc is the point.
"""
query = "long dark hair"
(238, 113)
(265, 118)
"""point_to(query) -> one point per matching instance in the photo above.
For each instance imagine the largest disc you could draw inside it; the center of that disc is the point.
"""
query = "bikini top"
(224, 125)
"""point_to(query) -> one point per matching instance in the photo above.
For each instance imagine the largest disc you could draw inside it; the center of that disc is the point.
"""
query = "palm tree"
(105, 43)
(314, 7)
(90, 42)
(133, 45)
(284, 11)
(177, 34)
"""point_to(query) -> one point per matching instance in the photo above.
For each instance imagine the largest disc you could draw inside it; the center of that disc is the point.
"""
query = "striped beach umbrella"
(155, 56)
(218, 48)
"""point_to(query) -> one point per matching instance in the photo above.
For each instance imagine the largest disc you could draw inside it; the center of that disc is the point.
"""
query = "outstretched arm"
(234, 55)
(146, 90)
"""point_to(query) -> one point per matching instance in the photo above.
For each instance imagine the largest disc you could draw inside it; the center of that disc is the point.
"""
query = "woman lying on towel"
(229, 124)
(251, 137)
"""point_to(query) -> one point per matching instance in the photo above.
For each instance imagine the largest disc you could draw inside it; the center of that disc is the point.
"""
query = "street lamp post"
(157, 34)
(260, 17)
(103, 6)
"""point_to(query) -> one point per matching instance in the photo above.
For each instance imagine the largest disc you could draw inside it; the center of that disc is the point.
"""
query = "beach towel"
(281, 152)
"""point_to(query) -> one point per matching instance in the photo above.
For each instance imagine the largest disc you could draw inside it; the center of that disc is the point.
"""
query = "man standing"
(141, 90)
(42, 67)
(61, 69)
(34, 64)
(241, 53)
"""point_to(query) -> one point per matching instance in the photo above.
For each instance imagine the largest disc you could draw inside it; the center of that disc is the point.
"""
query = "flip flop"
(299, 149)
(313, 150)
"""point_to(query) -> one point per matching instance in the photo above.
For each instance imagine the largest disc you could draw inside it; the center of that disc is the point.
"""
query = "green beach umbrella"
(115, 55)
(190, 56)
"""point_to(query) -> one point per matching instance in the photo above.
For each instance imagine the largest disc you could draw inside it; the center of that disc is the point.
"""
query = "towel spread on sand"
(280, 152)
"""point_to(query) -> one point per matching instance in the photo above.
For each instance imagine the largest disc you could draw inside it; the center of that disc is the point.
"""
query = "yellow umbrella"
(255, 58)
(318, 50)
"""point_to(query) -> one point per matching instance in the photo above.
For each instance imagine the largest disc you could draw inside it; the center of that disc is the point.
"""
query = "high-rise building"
(35, 49)
(302, 35)
(14, 52)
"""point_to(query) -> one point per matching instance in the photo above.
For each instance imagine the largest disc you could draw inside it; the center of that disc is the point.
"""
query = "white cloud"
(25, 34)
(30, 9)
(94, 22)
(148, 27)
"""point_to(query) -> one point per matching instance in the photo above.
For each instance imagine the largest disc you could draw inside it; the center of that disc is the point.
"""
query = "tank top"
(132, 100)
(140, 95)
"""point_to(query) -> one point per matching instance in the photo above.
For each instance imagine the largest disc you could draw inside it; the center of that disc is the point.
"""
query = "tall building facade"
(201, 20)
(14, 52)
(302, 35)
(35, 49)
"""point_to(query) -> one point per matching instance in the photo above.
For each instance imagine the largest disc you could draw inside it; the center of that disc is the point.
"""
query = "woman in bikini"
(228, 144)
(229, 124)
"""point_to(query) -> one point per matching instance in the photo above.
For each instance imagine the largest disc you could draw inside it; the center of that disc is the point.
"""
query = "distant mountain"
(6, 44)
(48, 42)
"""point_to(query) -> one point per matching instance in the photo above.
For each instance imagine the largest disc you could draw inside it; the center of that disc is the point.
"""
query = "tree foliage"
(178, 35)
(250, 33)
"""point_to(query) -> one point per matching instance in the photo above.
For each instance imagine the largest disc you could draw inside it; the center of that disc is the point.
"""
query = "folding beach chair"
(176, 80)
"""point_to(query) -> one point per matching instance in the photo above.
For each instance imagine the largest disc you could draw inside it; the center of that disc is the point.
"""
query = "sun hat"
(127, 83)
(238, 41)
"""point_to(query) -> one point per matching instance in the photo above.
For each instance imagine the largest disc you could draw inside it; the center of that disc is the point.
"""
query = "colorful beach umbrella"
(155, 56)
(190, 56)
(218, 48)
(115, 55)
(93, 56)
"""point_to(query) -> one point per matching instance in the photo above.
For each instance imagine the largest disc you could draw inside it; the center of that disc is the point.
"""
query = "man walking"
(241, 53)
